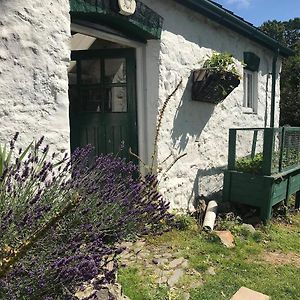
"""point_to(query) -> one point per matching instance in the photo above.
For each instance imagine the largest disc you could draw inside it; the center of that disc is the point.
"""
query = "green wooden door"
(102, 96)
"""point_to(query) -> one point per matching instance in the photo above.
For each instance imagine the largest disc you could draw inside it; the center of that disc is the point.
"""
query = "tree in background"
(288, 33)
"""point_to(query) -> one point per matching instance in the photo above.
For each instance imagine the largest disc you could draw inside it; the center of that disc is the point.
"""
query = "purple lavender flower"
(114, 203)
(13, 141)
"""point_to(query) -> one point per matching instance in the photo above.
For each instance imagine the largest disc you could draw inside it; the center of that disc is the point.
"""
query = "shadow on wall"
(190, 119)
(198, 193)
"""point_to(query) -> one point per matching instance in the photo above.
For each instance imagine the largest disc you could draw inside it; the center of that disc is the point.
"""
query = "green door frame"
(80, 120)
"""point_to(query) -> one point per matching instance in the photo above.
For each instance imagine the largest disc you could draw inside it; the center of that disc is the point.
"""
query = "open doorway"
(102, 93)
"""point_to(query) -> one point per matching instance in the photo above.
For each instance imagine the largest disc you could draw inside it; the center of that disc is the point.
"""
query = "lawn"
(267, 261)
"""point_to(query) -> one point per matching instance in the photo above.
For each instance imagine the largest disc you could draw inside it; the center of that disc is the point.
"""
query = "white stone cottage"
(98, 71)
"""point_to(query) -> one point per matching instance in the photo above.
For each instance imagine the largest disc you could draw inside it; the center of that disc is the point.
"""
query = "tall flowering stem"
(15, 255)
(159, 123)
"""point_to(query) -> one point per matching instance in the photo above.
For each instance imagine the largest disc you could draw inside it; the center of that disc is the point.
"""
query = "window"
(250, 91)
(98, 84)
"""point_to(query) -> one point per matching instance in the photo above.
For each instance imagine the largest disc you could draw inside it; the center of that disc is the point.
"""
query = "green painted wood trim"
(293, 185)
(273, 92)
(84, 119)
(268, 150)
(255, 133)
(297, 203)
(226, 18)
(226, 186)
(281, 148)
(232, 149)
(85, 6)
(286, 172)
(260, 191)
(145, 24)
(252, 61)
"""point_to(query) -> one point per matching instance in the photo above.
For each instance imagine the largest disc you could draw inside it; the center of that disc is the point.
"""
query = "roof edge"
(224, 17)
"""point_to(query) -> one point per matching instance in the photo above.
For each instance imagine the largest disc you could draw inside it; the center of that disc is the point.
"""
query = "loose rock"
(226, 238)
(176, 262)
(249, 228)
(185, 264)
(126, 245)
(167, 255)
(247, 294)
(159, 261)
(173, 280)
(211, 271)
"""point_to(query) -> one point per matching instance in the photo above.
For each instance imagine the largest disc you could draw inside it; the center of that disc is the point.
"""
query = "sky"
(258, 11)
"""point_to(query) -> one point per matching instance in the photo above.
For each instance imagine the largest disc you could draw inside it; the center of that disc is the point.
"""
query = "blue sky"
(258, 11)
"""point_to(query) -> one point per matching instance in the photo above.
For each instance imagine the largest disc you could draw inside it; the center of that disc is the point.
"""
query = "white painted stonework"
(34, 54)
(196, 128)
(34, 57)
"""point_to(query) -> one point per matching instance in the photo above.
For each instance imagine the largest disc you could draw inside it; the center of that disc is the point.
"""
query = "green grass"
(240, 266)
(138, 285)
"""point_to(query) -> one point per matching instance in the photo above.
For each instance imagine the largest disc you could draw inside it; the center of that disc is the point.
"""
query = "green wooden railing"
(279, 149)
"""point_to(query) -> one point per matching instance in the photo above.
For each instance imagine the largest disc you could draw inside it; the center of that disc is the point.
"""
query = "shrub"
(61, 219)
(183, 221)
(221, 62)
(250, 165)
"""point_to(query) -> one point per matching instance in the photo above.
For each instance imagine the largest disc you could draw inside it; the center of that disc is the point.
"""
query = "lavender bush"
(61, 219)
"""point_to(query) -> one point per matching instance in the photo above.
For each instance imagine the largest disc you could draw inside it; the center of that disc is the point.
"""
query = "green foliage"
(85, 207)
(285, 32)
(184, 221)
(221, 62)
(6, 154)
(136, 287)
(290, 158)
(288, 33)
(290, 91)
(243, 265)
(250, 165)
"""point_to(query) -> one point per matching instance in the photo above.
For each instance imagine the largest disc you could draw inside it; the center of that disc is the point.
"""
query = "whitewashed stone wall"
(201, 129)
(34, 54)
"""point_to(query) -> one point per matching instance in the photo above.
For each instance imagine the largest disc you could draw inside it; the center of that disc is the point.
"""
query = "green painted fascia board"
(235, 23)
(79, 6)
(145, 24)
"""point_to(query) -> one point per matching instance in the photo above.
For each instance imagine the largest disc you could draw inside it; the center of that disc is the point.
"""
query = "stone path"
(164, 263)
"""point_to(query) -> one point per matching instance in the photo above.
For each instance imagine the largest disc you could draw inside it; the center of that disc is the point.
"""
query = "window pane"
(72, 72)
(91, 99)
(116, 99)
(249, 90)
(115, 70)
(245, 89)
(90, 71)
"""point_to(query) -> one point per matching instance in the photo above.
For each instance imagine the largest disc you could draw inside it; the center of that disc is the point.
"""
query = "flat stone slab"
(246, 294)
(226, 238)
(176, 276)
(248, 227)
(176, 262)
(211, 271)
(159, 261)
(167, 255)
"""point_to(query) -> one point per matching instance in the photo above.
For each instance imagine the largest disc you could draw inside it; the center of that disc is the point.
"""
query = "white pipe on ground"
(210, 216)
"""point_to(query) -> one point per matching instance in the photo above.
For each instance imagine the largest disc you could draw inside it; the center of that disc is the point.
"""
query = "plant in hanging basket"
(216, 80)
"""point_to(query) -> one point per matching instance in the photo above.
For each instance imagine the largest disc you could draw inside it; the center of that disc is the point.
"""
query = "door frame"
(129, 55)
(146, 86)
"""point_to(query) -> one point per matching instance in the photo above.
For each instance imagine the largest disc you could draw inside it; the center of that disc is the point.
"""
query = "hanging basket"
(211, 86)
